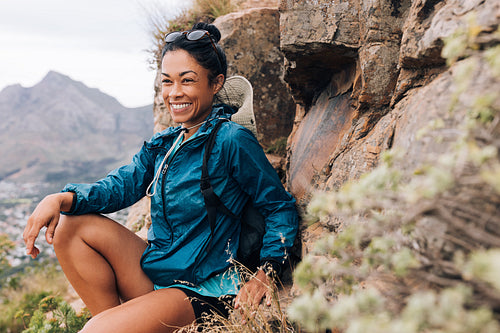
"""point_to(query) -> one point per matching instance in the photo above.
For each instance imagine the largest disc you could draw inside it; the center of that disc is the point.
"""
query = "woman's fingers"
(34, 252)
(51, 228)
(252, 293)
(46, 214)
(29, 236)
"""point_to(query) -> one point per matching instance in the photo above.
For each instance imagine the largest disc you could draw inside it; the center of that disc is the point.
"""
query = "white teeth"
(179, 106)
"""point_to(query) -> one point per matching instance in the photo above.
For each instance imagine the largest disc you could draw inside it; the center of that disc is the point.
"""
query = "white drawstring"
(160, 168)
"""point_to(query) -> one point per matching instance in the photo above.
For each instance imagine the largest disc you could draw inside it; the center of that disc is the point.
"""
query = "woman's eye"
(166, 81)
(188, 80)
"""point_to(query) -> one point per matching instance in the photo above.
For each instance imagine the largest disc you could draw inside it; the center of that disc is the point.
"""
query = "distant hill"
(61, 130)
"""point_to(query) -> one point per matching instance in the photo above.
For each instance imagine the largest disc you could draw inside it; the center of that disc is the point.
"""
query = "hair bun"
(212, 29)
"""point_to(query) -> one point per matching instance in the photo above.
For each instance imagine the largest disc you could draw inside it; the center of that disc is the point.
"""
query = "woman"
(184, 270)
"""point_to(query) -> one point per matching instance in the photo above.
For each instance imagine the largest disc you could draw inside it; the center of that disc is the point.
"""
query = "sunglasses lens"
(169, 38)
(196, 35)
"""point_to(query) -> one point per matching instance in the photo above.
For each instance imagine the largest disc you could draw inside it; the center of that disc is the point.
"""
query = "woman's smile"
(179, 108)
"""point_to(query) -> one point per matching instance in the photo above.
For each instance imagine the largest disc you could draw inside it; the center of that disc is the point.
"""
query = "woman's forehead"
(180, 61)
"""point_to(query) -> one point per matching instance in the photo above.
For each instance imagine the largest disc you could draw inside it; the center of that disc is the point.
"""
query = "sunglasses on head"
(193, 36)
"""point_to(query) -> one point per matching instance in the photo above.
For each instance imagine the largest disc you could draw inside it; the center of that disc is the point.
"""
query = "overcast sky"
(101, 43)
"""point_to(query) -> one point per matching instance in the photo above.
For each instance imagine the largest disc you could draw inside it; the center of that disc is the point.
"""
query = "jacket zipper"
(164, 172)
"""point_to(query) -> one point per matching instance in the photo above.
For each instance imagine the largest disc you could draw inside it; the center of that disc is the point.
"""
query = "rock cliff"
(367, 75)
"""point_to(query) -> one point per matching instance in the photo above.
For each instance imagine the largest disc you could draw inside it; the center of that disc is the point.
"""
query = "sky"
(101, 43)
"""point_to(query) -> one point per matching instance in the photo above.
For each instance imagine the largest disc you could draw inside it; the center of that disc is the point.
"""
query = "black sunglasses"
(192, 35)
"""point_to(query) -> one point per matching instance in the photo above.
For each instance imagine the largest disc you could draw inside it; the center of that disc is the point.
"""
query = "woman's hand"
(252, 293)
(46, 214)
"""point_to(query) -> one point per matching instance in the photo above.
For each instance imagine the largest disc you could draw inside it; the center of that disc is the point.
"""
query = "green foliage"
(493, 57)
(6, 245)
(29, 300)
(278, 147)
(53, 315)
(484, 266)
(213, 8)
(462, 40)
(16, 315)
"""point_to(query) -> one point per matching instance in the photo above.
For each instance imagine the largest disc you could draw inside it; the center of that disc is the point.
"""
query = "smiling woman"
(187, 269)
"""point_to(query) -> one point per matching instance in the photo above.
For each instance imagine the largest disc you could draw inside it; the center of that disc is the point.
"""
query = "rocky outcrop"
(362, 74)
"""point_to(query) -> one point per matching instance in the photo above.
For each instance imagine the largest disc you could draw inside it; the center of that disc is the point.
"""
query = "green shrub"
(54, 315)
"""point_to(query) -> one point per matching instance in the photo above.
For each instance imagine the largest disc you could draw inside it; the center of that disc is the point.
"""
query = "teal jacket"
(178, 237)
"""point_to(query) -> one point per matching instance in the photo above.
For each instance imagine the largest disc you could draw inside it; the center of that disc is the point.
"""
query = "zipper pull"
(164, 170)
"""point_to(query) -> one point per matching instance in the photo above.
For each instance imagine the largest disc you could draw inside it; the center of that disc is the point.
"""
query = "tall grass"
(261, 319)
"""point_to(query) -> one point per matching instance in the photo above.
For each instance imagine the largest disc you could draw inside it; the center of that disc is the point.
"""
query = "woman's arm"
(121, 188)
(46, 214)
(255, 175)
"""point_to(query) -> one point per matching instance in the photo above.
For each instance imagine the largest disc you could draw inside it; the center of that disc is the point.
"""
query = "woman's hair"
(202, 50)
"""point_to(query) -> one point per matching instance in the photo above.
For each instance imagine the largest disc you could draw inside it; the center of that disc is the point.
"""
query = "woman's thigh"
(119, 246)
(163, 310)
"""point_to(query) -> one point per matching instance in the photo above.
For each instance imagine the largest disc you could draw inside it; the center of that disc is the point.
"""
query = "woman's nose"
(176, 90)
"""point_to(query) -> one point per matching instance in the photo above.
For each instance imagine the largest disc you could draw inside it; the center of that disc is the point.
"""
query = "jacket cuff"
(271, 267)
(73, 203)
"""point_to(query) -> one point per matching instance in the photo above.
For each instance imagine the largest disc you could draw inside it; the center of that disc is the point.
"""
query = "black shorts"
(206, 305)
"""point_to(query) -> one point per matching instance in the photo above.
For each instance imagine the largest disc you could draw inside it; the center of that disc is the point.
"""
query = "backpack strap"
(212, 201)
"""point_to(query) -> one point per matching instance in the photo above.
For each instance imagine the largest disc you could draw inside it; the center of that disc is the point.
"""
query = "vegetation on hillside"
(32, 299)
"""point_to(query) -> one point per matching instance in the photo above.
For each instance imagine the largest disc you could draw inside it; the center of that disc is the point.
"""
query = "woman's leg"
(101, 259)
(163, 310)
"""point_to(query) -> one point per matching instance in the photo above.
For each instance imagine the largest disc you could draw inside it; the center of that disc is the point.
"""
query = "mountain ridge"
(66, 131)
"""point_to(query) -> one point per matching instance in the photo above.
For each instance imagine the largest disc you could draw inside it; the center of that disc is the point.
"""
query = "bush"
(53, 315)
(32, 295)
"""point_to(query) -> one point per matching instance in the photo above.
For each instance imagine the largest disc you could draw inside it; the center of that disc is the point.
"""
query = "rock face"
(368, 75)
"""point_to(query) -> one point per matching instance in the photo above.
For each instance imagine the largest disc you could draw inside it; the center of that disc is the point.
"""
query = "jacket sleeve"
(121, 188)
(250, 167)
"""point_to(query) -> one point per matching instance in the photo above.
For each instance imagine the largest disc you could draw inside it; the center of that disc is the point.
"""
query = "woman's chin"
(177, 118)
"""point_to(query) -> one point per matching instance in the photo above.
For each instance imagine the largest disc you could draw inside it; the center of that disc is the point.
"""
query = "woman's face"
(186, 89)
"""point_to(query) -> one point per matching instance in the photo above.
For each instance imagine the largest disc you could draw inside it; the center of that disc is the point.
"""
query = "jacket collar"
(219, 111)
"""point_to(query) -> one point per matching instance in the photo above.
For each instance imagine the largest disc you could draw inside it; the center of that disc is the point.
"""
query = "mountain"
(61, 130)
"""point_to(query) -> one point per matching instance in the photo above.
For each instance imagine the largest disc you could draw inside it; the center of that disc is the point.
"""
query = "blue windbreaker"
(180, 231)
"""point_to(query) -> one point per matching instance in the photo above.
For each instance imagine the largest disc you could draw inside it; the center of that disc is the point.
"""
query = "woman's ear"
(218, 83)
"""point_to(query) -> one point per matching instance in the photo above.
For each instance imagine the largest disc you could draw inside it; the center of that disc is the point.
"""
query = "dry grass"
(160, 21)
(263, 319)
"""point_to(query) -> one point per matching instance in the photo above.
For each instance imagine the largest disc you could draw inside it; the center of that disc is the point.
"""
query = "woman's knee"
(67, 229)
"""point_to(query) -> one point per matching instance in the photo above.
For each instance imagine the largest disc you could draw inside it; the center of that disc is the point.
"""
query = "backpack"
(237, 90)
